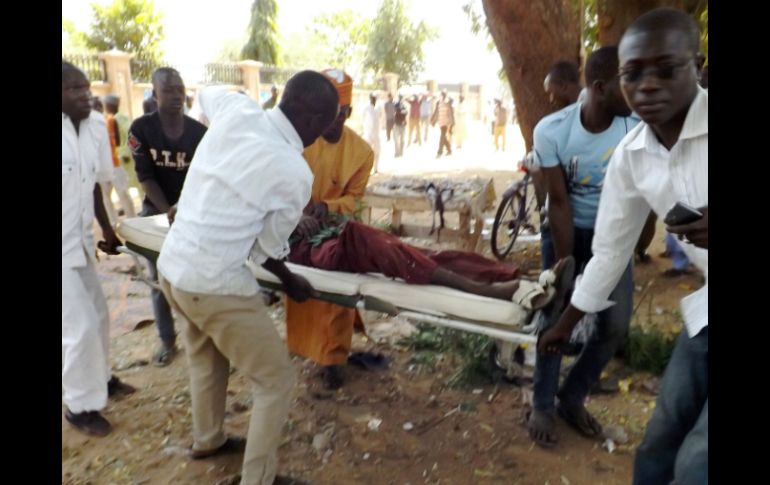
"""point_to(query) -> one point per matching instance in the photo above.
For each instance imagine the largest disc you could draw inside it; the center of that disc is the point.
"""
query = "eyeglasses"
(78, 89)
(663, 72)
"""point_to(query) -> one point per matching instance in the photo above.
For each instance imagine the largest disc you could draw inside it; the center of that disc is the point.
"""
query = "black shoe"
(332, 377)
(116, 387)
(89, 422)
(368, 360)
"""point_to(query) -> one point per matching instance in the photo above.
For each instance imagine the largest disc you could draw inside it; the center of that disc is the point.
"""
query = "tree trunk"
(615, 15)
(531, 36)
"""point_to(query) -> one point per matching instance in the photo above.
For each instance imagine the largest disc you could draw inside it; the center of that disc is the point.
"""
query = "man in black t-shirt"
(163, 144)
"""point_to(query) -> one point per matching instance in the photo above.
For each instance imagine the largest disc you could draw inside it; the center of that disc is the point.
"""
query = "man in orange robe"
(341, 162)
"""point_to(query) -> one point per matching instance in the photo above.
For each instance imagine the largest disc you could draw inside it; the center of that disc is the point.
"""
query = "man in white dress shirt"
(659, 163)
(85, 324)
(241, 200)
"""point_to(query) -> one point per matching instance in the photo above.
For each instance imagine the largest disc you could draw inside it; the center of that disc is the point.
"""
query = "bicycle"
(515, 212)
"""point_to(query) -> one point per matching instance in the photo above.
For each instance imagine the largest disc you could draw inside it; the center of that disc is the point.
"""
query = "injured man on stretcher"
(342, 244)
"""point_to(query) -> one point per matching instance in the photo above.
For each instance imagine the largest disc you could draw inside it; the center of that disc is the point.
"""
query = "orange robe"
(112, 129)
(320, 331)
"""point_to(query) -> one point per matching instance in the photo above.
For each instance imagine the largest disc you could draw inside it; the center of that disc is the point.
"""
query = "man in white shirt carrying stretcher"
(241, 200)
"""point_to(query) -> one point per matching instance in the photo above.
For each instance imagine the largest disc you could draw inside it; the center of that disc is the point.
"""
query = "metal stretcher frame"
(509, 339)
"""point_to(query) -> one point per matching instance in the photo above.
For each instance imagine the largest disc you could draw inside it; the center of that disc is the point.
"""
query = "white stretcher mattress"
(149, 232)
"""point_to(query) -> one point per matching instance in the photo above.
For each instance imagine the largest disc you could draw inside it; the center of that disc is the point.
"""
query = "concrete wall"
(120, 82)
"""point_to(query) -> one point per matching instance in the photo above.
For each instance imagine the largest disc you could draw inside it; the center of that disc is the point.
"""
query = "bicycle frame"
(516, 203)
(521, 186)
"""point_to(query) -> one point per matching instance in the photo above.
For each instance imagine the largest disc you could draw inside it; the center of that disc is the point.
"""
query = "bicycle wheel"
(507, 225)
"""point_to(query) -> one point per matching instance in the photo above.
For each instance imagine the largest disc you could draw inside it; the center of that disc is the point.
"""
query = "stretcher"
(509, 324)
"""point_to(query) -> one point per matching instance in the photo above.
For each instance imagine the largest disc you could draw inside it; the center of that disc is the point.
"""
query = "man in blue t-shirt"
(562, 85)
(574, 147)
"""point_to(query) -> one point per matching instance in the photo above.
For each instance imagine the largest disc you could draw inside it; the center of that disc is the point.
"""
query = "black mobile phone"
(681, 214)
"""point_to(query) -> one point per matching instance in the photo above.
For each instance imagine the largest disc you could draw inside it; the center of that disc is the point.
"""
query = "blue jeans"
(547, 253)
(164, 321)
(161, 310)
(611, 331)
(676, 443)
(679, 259)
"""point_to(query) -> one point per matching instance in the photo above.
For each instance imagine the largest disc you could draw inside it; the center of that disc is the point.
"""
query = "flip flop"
(164, 356)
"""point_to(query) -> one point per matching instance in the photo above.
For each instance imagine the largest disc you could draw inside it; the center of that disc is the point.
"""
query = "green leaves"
(263, 33)
(128, 25)
(395, 43)
(344, 35)
(649, 349)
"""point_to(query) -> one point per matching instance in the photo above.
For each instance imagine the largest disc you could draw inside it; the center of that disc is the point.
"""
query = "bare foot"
(564, 271)
(503, 290)
(541, 425)
(579, 418)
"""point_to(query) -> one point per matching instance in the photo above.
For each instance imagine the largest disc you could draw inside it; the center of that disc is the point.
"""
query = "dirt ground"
(429, 433)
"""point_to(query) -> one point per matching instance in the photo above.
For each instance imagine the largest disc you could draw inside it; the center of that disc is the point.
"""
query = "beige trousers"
(219, 330)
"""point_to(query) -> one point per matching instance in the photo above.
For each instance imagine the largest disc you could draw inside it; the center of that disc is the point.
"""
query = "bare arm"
(111, 241)
(538, 182)
(559, 211)
(296, 286)
(621, 216)
(155, 194)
